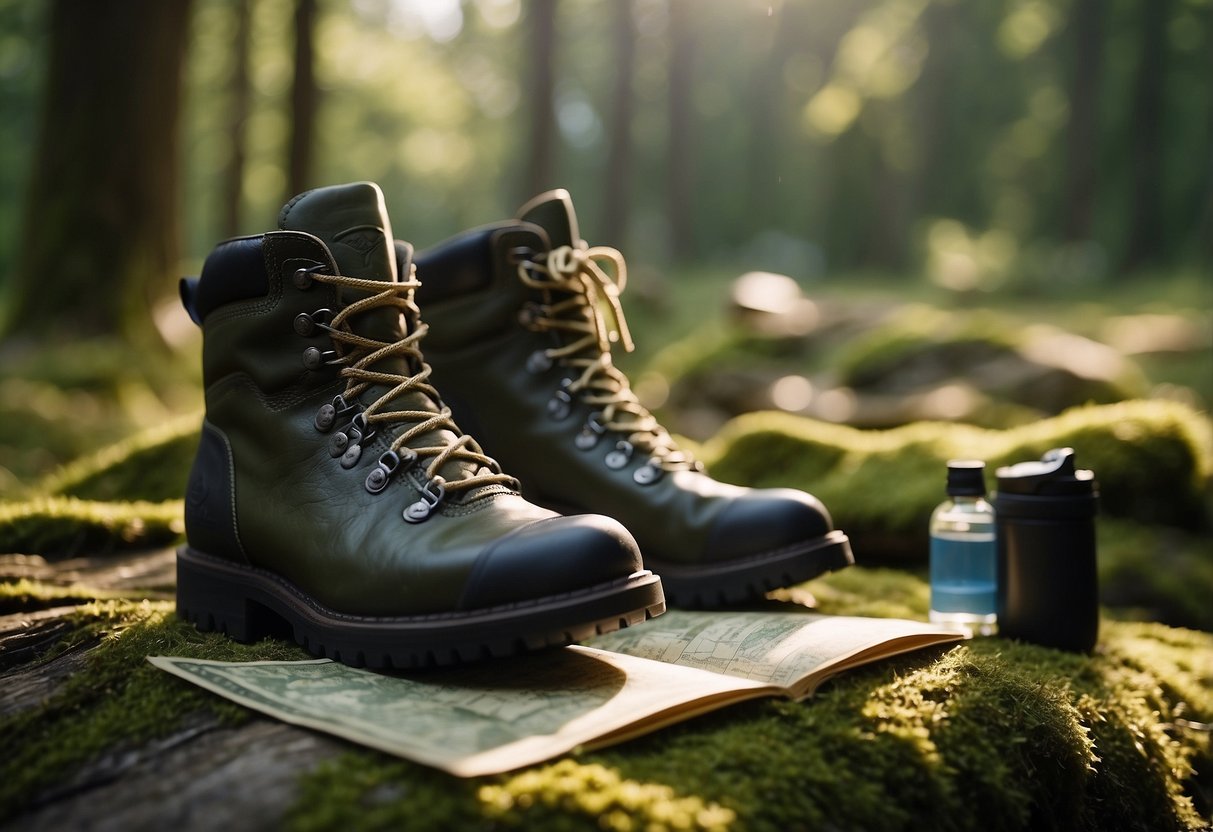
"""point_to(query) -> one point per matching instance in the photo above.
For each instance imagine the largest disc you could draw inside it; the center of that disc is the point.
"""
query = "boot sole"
(743, 579)
(248, 603)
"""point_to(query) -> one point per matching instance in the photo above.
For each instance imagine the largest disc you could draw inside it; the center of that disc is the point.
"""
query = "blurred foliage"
(927, 135)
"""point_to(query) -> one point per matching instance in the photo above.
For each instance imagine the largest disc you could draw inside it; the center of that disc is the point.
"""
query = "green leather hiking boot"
(521, 349)
(333, 497)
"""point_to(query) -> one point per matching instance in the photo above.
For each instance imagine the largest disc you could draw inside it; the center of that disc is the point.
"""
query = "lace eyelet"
(538, 362)
(590, 433)
(648, 473)
(351, 456)
(560, 405)
(325, 417)
(430, 499)
(328, 414)
(389, 463)
(520, 254)
(302, 278)
(360, 425)
(314, 359)
(620, 457)
(529, 313)
(306, 323)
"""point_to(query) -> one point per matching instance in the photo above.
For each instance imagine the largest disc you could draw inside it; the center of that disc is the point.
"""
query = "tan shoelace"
(579, 273)
(363, 353)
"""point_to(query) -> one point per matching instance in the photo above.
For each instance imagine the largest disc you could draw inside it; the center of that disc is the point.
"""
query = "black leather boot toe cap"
(549, 557)
(764, 521)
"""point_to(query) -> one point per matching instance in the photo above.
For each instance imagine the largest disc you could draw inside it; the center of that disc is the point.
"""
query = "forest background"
(1053, 157)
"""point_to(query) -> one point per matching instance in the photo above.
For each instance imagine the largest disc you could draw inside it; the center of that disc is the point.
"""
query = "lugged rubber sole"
(248, 603)
(743, 579)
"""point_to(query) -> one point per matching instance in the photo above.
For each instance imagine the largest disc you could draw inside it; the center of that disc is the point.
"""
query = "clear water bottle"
(964, 555)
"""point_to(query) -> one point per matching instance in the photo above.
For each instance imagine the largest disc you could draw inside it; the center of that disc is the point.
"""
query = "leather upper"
(480, 351)
(295, 510)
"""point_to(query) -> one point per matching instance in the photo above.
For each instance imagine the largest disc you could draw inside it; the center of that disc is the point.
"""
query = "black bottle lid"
(1053, 475)
(966, 478)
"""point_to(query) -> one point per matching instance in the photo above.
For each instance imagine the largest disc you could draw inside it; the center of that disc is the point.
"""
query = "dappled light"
(822, 247)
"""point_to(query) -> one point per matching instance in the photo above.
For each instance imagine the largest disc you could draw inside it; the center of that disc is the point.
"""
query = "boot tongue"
(553, 212)
(352, 221)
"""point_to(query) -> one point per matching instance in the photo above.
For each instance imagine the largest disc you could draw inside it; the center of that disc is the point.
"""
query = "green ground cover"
(987, 735)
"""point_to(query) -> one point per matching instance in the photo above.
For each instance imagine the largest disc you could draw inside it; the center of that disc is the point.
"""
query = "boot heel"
(211, 601)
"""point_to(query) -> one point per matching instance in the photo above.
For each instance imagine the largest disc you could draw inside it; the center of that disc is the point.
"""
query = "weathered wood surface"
(155, 572)
(204, 776)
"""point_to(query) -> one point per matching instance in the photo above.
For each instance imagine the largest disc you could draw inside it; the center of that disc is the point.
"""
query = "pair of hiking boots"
(335, 500)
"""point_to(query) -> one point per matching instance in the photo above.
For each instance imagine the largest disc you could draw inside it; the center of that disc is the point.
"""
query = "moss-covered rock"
(125, 495)
(60, 526)
(1153, 462)
(1152, 459)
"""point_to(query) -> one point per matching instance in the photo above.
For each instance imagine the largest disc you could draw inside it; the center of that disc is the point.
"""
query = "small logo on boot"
(363, 239)
(197, 500)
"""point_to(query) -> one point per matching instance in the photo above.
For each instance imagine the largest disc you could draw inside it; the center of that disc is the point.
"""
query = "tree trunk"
(101, 232)
(619, 149)
(1081, 137)
(304, 100)
(1146, 217)
(680, 163)
(239, 92)
(787, 31)
(540, 151)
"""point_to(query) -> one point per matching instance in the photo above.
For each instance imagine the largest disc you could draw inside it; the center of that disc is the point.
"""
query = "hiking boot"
(334, 499)
(525, 317)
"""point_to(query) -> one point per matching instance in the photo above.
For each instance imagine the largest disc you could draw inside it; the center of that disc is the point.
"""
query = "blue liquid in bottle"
(964, 557)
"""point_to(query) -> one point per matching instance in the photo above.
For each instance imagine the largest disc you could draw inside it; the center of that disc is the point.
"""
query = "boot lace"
(576, 285)
(357, 356)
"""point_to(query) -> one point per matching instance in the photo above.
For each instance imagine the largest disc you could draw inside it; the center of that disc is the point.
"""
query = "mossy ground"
(988, 735)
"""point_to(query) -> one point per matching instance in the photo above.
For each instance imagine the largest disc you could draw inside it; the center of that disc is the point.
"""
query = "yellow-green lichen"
(66, 525)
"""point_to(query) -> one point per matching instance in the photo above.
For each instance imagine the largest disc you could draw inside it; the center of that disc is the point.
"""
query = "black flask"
(1048, 590)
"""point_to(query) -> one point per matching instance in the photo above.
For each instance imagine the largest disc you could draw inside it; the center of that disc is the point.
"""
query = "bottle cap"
(1053, 475)
(966, 478)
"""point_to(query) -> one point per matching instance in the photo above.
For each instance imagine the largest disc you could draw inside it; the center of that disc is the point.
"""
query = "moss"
(66, 525)
(61, 400)
(599, 794)
(1152, 459)
(152, 465)
(918, 328)
(118, 700)
(25, 595)
(989, 735)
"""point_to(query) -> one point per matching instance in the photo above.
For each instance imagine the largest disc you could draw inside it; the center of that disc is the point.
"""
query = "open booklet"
(500, 715)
